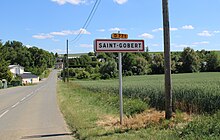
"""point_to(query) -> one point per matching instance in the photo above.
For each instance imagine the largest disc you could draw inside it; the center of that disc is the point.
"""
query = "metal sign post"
(120, 87)
(119, 43)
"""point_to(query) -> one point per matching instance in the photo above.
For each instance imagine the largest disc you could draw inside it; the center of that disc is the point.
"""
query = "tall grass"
(193, 93)
(83, 109)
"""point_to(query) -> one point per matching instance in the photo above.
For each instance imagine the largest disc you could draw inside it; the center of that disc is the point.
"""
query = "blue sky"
(47, 24)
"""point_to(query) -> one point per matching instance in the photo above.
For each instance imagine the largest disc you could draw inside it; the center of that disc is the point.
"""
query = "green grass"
(82, 109)
(218, 52)
(73, 55)
(84, 103)
(193, 93)
(203, 127)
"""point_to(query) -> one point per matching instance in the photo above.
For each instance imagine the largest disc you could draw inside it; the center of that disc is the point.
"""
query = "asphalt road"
(31, 112)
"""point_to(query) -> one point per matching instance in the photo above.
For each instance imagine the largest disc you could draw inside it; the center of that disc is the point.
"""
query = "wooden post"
(67, 60)
(167, 69)
(64, 75)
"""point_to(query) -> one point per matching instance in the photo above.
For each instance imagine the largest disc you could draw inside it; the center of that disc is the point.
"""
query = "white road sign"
(118, 45)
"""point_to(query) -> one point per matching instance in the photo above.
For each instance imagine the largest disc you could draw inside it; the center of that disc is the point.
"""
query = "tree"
(56, 55)
(213, 62)
(85, 60)
(108, 70)
(141, 66)
(91, 54)
(191, 60)
(128, 62)
(4, 71)
(175, 62)
(157, 65)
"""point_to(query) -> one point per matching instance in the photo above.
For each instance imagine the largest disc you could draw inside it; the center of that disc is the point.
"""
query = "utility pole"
(64, 75)
(67, 60)
(167, 69)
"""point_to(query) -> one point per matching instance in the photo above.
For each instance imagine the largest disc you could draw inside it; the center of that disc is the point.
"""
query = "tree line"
(104, 65)
(33, 59)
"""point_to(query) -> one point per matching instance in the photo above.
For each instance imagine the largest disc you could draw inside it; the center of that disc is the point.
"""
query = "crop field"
(91, 108)
(218, 52)
(192, 93)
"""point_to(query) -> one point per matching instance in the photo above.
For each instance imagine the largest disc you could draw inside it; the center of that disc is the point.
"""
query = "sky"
(47, 24)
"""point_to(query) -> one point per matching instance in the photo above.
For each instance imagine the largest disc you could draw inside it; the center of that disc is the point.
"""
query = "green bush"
(134, 106)
(128, 73)
(95, 76)
(1, 85)
(83, 75)
(106, 76)
(130, 106)
(16, 82)
(206, 127)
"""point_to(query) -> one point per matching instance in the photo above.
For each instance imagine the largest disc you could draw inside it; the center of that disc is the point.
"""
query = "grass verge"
(95, 116)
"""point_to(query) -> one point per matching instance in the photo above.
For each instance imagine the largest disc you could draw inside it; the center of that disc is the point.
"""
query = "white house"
(16, 69)
(27, 77)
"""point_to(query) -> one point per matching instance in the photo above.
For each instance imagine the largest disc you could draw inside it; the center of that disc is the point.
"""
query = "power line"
(88, 20)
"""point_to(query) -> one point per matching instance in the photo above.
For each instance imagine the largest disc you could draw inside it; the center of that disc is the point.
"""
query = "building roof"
(12, 66)
(28, 76)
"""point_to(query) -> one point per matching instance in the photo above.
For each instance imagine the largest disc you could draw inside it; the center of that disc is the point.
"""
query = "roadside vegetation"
(34, 60)
(104, 65)
(90, 102)
(91, 108)
(192, 92)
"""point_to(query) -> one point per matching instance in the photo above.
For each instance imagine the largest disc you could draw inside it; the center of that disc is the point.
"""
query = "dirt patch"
(147, 118)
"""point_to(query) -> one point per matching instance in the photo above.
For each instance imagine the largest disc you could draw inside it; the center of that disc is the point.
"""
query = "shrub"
(83, 75)
(16, 82)
(105, 76)
(95, 76)
(206, 127)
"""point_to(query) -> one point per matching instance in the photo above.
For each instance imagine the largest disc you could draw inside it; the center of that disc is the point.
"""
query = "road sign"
(118, 45)
(118, 36)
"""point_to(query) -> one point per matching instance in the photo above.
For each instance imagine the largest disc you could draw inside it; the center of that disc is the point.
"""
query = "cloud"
(86, 45)
(74, 2)
(189, 45)
(83, 31)
(101, 30)
(216, 32)
(55, 40)
(120, 1)
(61, 33)
(205, 33)
(173, 29)
(201, 43)
(116, 29)
(43, 36)
(69, 32)
(59, 51)
(146, 35)
(180, 45)
(188, 27)
(155, 45)
(28, 46)
(161, 29)
(156, 30)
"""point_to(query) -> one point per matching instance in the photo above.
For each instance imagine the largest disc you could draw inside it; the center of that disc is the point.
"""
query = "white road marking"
(23, 99)
(15, 105)
(4, 113)
(28, 95)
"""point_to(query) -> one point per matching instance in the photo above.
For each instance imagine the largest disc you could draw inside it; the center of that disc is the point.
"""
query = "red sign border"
(119, 40)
